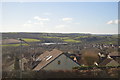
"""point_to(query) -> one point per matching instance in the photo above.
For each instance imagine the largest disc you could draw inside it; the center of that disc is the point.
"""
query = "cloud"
(27, 24)
(117, 21)
(41, 19)
(39, 23)
(110, 22)
(29, 21)
(36, 21)
(60, 26)
(113, 22)
(76, 23)
(67, 19)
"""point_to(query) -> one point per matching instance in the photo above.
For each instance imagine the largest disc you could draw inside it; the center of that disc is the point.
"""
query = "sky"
(60, 17)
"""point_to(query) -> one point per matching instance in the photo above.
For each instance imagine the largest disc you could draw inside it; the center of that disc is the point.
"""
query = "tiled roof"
(105, 62)
(46, 58)
(115, 53)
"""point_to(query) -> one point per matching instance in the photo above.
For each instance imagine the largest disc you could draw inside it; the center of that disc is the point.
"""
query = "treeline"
(56, 37)
(37, 35)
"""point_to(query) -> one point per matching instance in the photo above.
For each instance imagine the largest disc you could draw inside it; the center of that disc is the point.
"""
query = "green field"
(66, 39)
(71, 40)
(48, 37)
(109, 42)
(26, 39)
(81, 37)
(31, 40)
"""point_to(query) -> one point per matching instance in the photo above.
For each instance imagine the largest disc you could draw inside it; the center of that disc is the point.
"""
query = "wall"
(65, 64)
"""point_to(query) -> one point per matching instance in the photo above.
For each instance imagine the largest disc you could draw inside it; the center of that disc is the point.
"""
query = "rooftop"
(47, 57)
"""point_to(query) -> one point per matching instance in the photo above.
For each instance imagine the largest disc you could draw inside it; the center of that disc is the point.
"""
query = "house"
(114, 54)
(75, 57)
(54, 60)
(102, 56)
(109, 62)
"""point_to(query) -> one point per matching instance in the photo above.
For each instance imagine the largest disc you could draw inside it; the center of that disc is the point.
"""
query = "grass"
(48, 37)
(63, 38)
(72, 40)
(66, 39)
(109, 42)
(81, 37)
(54, 37)
(14, 45)
(31, 40)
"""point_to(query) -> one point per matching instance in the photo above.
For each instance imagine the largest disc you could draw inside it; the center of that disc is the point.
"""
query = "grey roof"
(108, 60)
(115, 53)
(46, 58)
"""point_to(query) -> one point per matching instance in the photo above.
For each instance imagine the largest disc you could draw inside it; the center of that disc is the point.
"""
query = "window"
(59, 62)
(49, 58)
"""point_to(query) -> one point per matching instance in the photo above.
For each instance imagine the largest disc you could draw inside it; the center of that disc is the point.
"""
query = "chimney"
(75, 59)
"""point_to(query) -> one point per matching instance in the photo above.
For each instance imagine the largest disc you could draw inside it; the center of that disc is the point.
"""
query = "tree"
(89, 56)
(16, 64)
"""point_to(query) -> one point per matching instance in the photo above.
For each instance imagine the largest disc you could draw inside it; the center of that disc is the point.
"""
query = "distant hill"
(37, 35)
(61, 37)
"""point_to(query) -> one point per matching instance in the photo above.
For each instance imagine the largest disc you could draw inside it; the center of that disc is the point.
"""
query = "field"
(71, 40)
(14, 45)
(15, 42)
(30, 40)
(75, 44)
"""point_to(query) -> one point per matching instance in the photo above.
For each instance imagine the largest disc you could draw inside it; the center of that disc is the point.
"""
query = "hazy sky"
(81, 17)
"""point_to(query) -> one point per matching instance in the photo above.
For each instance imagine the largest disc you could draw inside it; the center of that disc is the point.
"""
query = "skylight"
(49, 58)
(38, 59)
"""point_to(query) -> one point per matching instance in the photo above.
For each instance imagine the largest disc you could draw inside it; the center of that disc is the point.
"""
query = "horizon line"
(67, 33)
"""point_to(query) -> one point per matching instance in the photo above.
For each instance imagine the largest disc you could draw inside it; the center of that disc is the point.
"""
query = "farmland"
(16, 42)
(60, 37)
(30, 40)
(72, 40)
(13, 45)
(74, 43)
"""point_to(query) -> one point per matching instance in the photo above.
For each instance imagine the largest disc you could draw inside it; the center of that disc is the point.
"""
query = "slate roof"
(106, 61)
(115, 53)
(46, 58)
